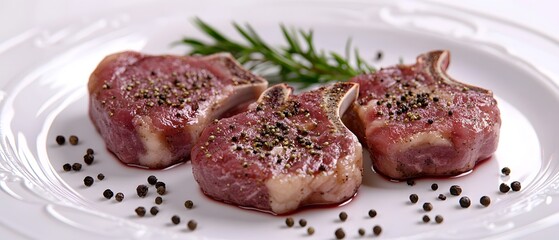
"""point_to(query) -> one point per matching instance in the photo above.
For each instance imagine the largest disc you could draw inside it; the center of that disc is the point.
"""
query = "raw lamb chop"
(287, 151)
(417, 121)
(150, 110)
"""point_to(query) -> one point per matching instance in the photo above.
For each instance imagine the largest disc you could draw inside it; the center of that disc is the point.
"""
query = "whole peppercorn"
(302, 222)
(108, 194)
(192, 225)
(439, 219)
(188, 204)
(159, 184)
(504, 188)
(77, 167)
(289, 222)
(119, 196)
(434, 187)
(414, 198)
(100, 176)
(442, 197)
(88, 159)
(427, 206)
(154, 210)
(89, 151)
(515, 186)
(361, 232)
(377, 230)
(410, 182)
(142, 190)
(485, 201)
(505, 171)
(152, 180)
(340, 234)
(372, 213)
(158, 200)
(343, 216)
(140, 211)
(455, 190)
(310, 230)
(161, 190)
(73, 140)
(88, 181)
(465, 202)
(67, 167)
(426, 219)
(60, 140)
(176, 219)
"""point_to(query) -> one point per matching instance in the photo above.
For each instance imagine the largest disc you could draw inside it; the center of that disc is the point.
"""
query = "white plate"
(44, 95)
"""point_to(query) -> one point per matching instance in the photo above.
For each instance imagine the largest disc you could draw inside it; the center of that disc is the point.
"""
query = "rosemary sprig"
(298, 62)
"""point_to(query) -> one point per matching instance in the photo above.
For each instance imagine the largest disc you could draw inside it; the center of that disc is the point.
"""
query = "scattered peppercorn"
(154, 210)
(159, 184)
(302, 222)
(505, 171)
(161, 190)
(289, 222)
(427, 206)
(158, 200)
(100, 176)
(119, 196)
(410, 182)
(175, 219)
(188, 204)
(88, 181)
(426, 219)
(439, 219)
(377, 230)
(60, 140)
(343, 216)
(77, 166)
(515, 186)
(434, 187)
(192, 225)
(108, 194)
(361, 232)
(142, 190)
(430, 121)
(485, 201)
(152, 180)
(310, 230)
(67, 167)
(372, 213)
(73, 140)
(414, 198)
(379, 56)
(88, 159)
(140, 211)
(455, 190)
(465, 202)
(442, 197)
(340, 234)
(89, 151)
(504, 188)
